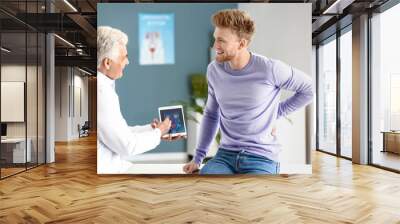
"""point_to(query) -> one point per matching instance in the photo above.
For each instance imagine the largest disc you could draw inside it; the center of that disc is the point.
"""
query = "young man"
(244, 101)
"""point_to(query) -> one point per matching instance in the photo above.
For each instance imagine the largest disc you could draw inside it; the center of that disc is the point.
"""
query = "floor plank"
(70, 191)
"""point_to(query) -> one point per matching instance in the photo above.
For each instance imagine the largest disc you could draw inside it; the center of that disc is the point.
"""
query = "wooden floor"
(387, 159)
(70, 191)
(5, 172)
(10, 171)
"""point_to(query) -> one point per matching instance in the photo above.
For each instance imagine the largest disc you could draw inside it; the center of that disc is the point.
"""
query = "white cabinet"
(16, 146)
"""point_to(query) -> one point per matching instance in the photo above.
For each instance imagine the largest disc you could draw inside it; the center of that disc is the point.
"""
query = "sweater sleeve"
(209, 126)
(292, 79)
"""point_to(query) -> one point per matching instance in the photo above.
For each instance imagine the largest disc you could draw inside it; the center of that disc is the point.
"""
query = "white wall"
(71, 94)
(283, 31)
(50, 94)
(80, 101)
(61, 103)
(17, 73)
(14, 72)
(313, 115)
(33, 127)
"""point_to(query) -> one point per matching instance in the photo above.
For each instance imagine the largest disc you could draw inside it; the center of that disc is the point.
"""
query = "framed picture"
(156, 39)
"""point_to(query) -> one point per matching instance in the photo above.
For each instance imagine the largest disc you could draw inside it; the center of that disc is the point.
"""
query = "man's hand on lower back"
(273, 132)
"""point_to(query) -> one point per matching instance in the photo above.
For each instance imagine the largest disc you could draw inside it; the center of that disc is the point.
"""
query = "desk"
(391, 141)
(13, 150)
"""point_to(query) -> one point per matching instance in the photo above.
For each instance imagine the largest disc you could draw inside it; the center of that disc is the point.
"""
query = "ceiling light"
(64, 40)
(86, 72)
(331, 7)
(337, 7)
(5, 50)
(71, 6)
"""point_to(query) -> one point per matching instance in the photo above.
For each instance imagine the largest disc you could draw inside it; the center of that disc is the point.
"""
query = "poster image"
(156, 39)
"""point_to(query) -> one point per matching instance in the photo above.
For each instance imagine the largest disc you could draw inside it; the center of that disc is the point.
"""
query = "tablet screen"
(176, 117)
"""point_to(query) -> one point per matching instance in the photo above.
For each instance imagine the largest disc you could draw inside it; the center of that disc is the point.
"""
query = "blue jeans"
(239, 162)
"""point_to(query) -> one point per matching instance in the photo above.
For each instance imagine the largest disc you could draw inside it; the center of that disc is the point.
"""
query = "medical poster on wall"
(156, 39)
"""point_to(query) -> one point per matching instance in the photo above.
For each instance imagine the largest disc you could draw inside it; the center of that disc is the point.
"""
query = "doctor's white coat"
(115, 139)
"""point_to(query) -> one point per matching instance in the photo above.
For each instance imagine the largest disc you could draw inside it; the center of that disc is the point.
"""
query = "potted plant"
(194, 110)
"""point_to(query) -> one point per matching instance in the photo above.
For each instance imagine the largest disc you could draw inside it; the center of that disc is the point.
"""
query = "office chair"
(84, 130)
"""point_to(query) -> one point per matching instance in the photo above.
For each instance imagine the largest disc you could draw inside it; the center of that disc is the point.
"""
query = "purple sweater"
(245, 104)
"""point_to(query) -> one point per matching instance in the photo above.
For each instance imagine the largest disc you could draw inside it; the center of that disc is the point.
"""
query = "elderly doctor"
(116, 140)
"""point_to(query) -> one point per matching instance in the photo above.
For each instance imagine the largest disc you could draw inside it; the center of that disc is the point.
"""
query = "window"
(385, 89)
(346, 93)
(22, 65)
(327, 97)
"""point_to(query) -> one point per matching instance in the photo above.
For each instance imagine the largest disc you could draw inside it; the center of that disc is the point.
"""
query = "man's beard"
(224, 57)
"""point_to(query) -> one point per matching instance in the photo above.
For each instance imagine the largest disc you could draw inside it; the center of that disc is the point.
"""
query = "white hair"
(108, 41)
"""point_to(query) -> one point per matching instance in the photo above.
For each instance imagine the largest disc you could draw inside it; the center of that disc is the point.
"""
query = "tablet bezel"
(183, 117)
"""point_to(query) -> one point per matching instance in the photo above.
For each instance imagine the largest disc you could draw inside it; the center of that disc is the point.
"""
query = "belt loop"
(238, 159)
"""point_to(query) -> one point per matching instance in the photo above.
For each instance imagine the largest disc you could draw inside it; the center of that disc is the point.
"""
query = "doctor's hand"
(190, 167)
(154, 123)
(169, 137)
(163, 126)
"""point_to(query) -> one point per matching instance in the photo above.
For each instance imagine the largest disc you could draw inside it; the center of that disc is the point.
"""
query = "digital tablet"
(175, 114)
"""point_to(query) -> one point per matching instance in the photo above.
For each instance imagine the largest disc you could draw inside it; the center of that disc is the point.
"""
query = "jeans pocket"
(257, 165)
